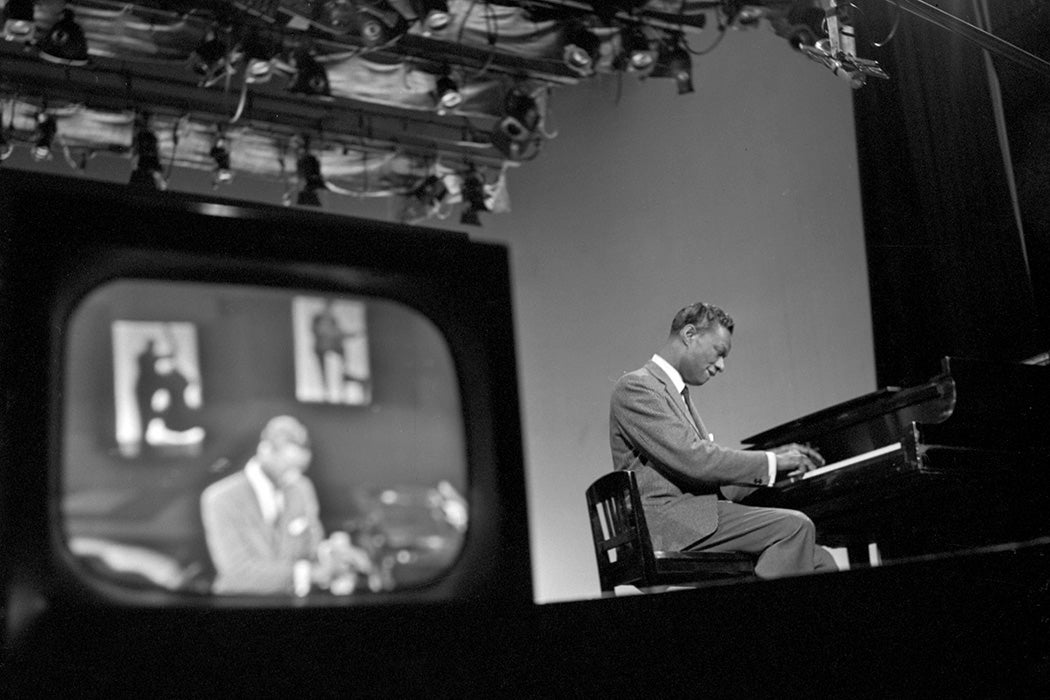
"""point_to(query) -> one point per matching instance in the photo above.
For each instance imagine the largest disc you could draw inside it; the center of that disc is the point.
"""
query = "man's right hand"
(795, 459)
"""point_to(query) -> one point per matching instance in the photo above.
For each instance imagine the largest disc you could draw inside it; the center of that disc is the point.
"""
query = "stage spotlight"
(65, 42)
(46, 129)
(637, 53)
(6, 147)
(148, 173)
(518, 150)
(425, 200)
(220, 153)
(18, 20)
(372, 29)
(805, 26)
(446, 92)
(433, 14)
(581, 51)
(680, 67)
(308, 169)
(473, 198)
(259, 52)
(259, 70)
(210, 56)
(521, 116)
(515, 134)
(310, 76)
(377, 23)
(431, 192)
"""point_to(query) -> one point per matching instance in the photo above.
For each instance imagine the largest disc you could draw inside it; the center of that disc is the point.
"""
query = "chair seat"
(700, 565)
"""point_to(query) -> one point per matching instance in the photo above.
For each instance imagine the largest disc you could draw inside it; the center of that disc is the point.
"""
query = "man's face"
(284, 460)
(705, 353)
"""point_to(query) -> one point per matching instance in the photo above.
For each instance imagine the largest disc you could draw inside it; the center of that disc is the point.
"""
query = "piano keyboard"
(855, 459)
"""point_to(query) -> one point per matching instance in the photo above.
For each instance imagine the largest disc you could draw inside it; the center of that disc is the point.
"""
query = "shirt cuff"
(772, 458)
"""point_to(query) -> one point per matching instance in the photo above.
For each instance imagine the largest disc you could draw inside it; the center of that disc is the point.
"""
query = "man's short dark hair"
(282, 429)
(703, 316)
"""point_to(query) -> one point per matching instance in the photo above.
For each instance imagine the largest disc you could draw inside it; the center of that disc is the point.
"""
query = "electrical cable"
(463, 22)
(722, 26)
(174, 147)
(893, 29)
(242, 101)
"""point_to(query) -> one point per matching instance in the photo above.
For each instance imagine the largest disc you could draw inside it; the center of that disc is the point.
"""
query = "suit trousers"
(784, 540)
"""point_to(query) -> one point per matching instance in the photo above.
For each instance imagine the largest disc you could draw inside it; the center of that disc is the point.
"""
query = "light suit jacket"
(679, 470)
(251, 555)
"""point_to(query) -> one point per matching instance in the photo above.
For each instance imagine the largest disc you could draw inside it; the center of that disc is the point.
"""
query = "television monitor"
(154, 346)
(159, 338)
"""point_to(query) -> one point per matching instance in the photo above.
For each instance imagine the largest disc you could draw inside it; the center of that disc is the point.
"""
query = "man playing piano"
(687, 483)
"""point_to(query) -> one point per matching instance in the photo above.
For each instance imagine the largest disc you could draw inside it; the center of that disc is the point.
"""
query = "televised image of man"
(687, 482)
(262, 526)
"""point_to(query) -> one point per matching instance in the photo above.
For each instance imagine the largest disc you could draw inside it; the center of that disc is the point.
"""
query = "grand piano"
(958, 462)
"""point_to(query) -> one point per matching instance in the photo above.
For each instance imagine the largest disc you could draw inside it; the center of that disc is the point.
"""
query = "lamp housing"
(211, 54)
(637, 53)
(474, 197)
(6, 147)
(447, 93)
(582, 49)
(19, 24)
(310, 76)
(521, 116)
(259, 53)
(148, 172)
(680, 67)
(377, 23)
(433, 14)
(46, 130)
(220, 153)
(308, 170)
(65, 42)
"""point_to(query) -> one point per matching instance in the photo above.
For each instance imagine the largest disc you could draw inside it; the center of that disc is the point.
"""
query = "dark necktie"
(694, 417)
(689, 406)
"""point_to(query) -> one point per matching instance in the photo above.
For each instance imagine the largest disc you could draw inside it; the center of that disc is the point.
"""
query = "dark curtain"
(951, 271)
(1026, 108)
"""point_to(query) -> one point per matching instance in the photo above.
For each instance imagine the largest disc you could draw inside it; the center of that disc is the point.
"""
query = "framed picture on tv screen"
(157, 387)
(331, 351)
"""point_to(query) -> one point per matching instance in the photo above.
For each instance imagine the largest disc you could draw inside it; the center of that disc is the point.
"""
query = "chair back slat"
(612, 543)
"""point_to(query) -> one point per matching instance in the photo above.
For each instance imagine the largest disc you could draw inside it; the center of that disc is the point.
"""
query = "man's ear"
(687, 332)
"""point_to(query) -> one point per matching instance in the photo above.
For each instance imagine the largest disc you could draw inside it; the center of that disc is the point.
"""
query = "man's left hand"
(808, 459)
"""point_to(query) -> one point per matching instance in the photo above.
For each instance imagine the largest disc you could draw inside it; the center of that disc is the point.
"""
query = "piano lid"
(977, 402)
(856, 411)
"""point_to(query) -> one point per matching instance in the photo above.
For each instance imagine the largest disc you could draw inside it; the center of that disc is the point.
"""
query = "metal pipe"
(982, 38)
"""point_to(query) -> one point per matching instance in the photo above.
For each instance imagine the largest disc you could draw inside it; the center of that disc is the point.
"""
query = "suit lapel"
(677, 400)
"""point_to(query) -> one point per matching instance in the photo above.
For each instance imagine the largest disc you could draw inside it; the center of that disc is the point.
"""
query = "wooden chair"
(625, 553)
